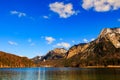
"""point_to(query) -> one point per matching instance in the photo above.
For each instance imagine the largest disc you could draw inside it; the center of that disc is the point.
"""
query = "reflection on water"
(59, 74)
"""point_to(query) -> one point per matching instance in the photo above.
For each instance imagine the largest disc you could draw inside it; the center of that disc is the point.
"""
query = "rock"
(37, 59)
(55, 54)
(113, 35)
(76, 49)
(104, 50)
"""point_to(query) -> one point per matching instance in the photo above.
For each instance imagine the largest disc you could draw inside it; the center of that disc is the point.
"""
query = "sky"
(34, 27)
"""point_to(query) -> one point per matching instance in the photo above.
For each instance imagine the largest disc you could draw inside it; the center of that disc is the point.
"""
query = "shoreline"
(109, 66)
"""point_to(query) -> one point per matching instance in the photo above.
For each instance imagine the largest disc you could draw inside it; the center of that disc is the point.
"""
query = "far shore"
(109, 66)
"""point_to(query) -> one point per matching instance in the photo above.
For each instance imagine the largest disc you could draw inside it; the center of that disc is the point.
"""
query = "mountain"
(57, 53)
(37, 59)
(105, 50)
(11, 60)
(52, 58)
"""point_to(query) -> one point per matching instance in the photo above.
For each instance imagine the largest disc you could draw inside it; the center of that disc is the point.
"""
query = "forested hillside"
(11, 60)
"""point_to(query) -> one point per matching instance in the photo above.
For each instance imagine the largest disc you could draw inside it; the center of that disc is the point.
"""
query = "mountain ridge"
(103, 51)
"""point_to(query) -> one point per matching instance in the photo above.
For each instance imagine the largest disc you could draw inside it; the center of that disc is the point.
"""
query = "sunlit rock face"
(76, 49)
(109, 38)
(104, 50)
(57, 53)
(54, 54)
(113, 35)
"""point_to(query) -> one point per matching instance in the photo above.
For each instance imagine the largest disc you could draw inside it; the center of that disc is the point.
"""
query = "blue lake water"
(59, 74)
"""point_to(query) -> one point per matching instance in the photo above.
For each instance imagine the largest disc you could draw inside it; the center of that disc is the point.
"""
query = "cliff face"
(113, 35)
(105, 50)
(76, 49)
(55, 54)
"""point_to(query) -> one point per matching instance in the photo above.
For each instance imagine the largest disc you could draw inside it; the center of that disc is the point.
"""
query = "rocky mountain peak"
(111, 31)
(56, 53)
(59, 50)
(105, 50)
(108, 36)
(111, 34)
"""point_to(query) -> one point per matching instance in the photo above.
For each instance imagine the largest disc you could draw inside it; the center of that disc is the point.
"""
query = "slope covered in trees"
(11, 60)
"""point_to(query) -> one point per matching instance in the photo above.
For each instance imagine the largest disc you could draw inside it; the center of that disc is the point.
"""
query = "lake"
(59, 74)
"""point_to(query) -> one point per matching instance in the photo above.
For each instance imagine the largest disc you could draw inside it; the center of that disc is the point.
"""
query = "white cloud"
(92, 39)
(46, 17)
(63, 44)
(49, 39)
(85, 40)
(12, 43)
(64, 10)
(101, 5)
(19, 14)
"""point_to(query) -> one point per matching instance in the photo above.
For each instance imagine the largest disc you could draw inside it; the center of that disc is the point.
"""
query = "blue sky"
(33, 27)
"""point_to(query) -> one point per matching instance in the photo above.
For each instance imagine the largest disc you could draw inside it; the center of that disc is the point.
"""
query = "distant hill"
(57, 53)
(37, 59)
(51, 58)
(11, 60)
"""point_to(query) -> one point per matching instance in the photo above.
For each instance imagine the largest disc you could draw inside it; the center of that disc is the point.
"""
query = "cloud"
(49, 39)
(63, 44)
(19, 14)
(12, 43)
(46, 17)
(64, 10)
(92, 39)
(85, 40)
(101, 5)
